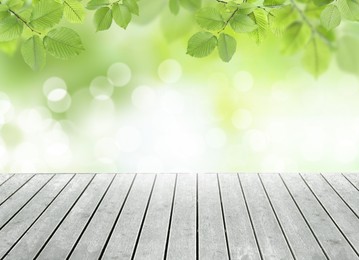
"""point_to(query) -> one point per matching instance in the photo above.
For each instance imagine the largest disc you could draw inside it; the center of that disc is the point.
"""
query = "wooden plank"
(34, 239)
(353, 178)
(24, 219)
(4, 178)
(153, 237)
(70, 229)
(182, 239)
(211, 232)
(344, 189)
(94, 238)
(338, 211)
(300, 237)
(124, 236)
(22, 197)
(271, 240)
(241, 238)
(12, 185)
(332, 241)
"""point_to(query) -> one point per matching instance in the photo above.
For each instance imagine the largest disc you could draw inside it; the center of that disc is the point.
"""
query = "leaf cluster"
(307, 27)
(304, 26)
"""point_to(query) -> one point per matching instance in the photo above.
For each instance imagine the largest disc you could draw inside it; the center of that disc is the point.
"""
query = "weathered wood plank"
(4, 178)
(241, 239)
(24, 219)
(22, 197)
(152, 241)
(35, 238)
(339, 212)
(345, 189)
(66, 235)
(94, 238)
(271, 240)
(12, 185)
(124, 236)
(353, 178)
(332, 241)
(211, 232)
(300, 237)
(182, 239)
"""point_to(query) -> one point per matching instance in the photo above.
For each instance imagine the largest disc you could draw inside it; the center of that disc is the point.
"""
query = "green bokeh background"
(262, 112)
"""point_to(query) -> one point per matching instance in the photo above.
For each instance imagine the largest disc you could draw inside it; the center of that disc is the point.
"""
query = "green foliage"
(34, 52)
(201, 44)
(63, 43)
(330, 17)
(226, 47)
(306, 27)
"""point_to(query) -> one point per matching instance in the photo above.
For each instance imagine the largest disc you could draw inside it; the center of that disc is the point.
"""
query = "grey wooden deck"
(183, 216)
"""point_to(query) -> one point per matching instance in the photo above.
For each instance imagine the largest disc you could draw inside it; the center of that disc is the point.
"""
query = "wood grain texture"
(346, 221)
(332, 241)
(271, 240)
(179, 216)
(300, 237)
(124, 237)
(242, 242)
(62, 241)
(94, 238)
(182, 239)
(31, 243)
(211, 232)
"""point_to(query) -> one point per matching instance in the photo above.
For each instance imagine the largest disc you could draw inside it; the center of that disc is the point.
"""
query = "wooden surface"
(179, 216)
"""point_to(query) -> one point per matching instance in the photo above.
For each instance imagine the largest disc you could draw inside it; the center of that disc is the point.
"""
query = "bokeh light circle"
(119, 74)
(170, 71)
(61, 105)
(101, 88)
(52, 84)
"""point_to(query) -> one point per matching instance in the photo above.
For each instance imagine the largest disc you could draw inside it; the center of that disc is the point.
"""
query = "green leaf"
(349, 9)
(15, 5)
(95, 4)
(46, 14)
(4, 11)
(10, 29)
(103, 18)
(242, 23)
(316, 57)
(246, 8)
(226, 47)
(330, 17)
(63, 43)
(201, 44)
(74, 11)
(191, 5)
(281, 18)
(34, 53)
(132, 6)
(174, 6)
(121, 15)
(260, 18)
(295, 37)
(322, 2)
(273, 2)
(210, 18)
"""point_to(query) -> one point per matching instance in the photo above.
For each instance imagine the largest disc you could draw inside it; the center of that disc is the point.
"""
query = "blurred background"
(135, 102)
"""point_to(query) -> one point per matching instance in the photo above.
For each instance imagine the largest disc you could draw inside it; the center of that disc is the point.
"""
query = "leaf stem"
(227, 21)
(24, 22)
